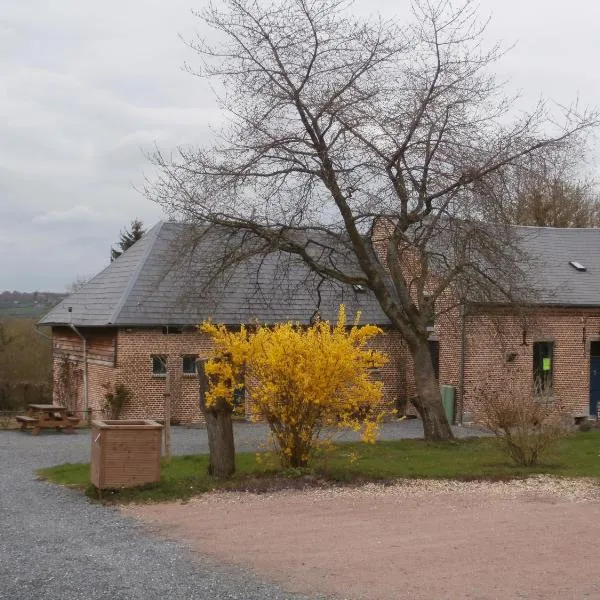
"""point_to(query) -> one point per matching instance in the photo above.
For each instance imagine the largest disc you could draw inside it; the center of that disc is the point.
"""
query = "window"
(172, 329)
(189, 364)
(239, 397)
(577, 266)
(159, 364)
(543, 358)
(239, 401)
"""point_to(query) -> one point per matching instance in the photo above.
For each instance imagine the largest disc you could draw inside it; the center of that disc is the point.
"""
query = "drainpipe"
(85, 367)
(463, 352)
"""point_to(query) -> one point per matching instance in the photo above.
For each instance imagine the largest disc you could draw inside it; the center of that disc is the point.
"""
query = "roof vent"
(577, 265)
(358, 287)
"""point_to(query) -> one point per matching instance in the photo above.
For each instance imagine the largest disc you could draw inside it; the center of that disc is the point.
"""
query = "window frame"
(172, 329)
(159, 359)
(542, 377)
(193, 373)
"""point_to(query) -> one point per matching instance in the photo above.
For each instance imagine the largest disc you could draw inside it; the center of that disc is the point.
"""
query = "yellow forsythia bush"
(301, 379)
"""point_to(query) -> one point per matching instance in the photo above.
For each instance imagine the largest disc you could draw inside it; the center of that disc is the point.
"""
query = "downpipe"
(85, 369)
(463, 353)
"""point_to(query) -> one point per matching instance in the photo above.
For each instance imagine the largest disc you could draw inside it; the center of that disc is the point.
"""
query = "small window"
(577, 266)
(239, 397)
(189, 364)
(159, 364)
(172, 329)
(543, 364)
(239, 401)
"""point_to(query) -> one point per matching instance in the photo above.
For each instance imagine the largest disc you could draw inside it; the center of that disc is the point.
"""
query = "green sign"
(545, 364)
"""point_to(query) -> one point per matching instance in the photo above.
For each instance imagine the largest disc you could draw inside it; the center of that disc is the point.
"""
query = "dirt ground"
(534, 539)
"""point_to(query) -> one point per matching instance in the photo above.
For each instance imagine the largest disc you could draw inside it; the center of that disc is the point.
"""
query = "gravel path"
(418, 540)
(54, 545)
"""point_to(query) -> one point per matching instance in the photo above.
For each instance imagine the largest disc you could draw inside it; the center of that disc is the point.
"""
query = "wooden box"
(125, 453)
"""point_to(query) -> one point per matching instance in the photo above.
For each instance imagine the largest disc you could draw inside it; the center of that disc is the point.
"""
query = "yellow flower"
(301, 379)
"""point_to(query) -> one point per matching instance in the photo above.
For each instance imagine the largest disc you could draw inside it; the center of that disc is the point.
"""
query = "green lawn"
(575, 456)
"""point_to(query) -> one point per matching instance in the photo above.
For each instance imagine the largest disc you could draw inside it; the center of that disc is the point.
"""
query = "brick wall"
(132, 354)
(392, 374)
(489, 341)
(134, 369)
(136, 346)
(494, 351)
(496, 347)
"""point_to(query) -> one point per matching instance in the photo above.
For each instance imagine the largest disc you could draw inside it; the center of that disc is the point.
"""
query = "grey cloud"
(88, 88)
(76, 215)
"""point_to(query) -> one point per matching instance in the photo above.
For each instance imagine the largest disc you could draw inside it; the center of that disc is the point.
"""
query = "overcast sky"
(87, 87)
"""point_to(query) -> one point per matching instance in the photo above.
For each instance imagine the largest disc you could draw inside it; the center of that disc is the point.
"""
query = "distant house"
(137, 320)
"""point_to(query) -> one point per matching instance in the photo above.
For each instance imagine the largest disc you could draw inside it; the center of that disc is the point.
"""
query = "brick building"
(136, 320)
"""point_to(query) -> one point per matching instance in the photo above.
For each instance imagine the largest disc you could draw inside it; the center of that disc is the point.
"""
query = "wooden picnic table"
(47, 416)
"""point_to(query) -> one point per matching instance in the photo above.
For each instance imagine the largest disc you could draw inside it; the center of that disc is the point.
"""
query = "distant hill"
(27, 304)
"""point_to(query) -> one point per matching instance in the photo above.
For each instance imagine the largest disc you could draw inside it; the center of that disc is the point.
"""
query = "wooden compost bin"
(125, 453)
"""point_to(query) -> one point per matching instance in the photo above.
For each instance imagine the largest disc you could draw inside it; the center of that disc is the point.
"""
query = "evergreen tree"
(128, 238)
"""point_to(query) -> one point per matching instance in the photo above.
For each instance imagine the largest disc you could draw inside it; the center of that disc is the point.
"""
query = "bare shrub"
(7, 420)
(68, 381)
(528, 419)
(115, 397)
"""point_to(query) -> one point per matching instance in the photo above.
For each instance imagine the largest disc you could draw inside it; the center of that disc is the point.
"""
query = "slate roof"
(551, 249)
(149, 285)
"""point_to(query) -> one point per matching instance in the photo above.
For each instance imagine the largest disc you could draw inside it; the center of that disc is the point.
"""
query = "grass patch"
(349, 463)
(183, 478)
(477, 458)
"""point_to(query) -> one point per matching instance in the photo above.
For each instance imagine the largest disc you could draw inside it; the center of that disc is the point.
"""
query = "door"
(434, 351)
(594, 384)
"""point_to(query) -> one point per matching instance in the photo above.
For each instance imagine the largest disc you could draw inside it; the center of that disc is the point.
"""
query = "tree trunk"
(219, 426)
(429, 401)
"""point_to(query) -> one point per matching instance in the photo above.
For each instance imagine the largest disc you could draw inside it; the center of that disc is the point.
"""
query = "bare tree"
(77, 283)
(365, 139)
(551, 191)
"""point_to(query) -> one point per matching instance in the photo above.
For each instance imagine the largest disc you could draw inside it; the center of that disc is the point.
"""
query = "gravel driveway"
(55, 545)
(419, 540)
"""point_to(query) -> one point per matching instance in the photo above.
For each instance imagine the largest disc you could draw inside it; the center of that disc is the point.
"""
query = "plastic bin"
(125, 453)
(448, 393)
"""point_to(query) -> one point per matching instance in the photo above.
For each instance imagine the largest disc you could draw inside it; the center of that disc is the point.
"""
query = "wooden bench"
(47, 416)
(28, 421)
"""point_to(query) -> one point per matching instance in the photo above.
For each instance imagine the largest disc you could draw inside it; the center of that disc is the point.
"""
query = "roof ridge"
(133, 280)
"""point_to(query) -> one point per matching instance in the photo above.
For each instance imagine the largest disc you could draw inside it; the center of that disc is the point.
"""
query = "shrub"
(528, 420)
(302, 380)
(6, 420)
(68, 382)
(115, 398)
